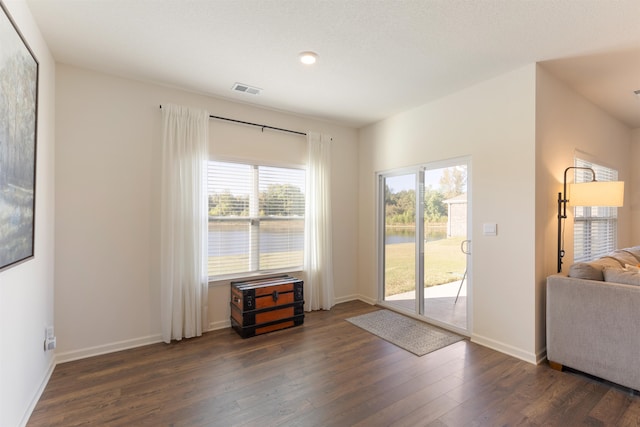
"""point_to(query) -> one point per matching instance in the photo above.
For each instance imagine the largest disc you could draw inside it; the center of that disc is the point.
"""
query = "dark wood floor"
(326, 372)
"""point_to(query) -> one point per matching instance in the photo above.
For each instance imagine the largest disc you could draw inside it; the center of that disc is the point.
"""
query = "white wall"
(566, 122)
(494, 123)
(107, 203)
(26, 290)
(634, 195)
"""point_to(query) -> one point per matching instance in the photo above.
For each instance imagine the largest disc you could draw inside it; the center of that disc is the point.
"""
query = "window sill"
(225, 281)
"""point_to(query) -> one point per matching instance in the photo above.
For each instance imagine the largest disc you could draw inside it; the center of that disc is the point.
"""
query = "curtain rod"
(256, 124)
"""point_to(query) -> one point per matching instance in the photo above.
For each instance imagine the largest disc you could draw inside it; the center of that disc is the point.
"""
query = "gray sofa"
(593, 318)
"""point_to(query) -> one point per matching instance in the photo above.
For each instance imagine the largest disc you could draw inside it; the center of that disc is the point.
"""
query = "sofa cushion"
(634, 268)
(635, 251)
(625, 276)
(624, 256)
(593, 270)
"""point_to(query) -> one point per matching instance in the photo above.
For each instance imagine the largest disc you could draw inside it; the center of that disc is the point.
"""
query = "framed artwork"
(18, 130)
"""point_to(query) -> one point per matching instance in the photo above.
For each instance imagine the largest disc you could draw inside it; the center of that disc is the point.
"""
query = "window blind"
(256, 218)
(595, 229)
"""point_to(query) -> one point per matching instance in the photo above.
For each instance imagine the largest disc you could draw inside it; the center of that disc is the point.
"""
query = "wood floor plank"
(391, 407)
(326, 372)
(611, 407)
(532, 381)
(427, 413)
(631, 416)
(487, 393)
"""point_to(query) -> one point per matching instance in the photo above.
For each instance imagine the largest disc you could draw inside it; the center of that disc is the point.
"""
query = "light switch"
(490, 229)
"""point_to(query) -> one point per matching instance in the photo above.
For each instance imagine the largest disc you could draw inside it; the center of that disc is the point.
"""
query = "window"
(256, 219)
(595, 229)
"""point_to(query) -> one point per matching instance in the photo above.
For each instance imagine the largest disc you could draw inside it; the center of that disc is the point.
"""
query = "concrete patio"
(439, 303)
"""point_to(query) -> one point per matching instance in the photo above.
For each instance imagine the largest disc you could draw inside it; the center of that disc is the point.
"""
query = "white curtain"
(183, 272)
(318, 265)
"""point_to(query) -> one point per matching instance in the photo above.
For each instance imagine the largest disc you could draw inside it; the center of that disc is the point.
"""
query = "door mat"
(410, 334)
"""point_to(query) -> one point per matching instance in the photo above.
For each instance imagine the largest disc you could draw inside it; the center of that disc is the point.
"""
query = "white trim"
(541, 356)
(506, 349)
(240, 277)
(447, 326)
(422, 169)
(250, 178)
(221, 324)
(590, 158)
(355, 297)
(379, 233)
(107, 348)
(38, 394)
(256, 161)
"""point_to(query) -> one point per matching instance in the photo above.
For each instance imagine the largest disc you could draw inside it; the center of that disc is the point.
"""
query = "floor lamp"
(593, 193)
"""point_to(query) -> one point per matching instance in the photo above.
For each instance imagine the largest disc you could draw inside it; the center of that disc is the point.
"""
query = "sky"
(407, 182)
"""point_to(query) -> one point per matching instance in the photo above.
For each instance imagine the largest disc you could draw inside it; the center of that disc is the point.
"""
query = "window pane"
(595, 232)
(281, 217)
(281, 192)
(228, 247)
(281, 243)
(256, 218)
(230, 186)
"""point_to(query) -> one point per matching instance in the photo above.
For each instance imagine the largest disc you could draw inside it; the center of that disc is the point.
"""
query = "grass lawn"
(444, 262)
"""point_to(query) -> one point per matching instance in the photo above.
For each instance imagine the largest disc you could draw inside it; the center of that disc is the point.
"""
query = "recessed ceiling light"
(308, 58)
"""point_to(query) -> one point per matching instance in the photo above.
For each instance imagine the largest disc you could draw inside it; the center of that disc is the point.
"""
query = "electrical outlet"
(49, 338)
(50, 344)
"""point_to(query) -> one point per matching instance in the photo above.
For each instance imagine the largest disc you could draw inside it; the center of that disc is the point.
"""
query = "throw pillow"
(621, 275)
(635, 251)
(634, 268)
(584, 270)
(593, 270)
(624, 257)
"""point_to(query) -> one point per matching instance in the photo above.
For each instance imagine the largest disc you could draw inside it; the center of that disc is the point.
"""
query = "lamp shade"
(596, 193)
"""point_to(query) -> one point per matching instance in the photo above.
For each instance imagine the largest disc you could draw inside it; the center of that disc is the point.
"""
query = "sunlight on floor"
(439, 303)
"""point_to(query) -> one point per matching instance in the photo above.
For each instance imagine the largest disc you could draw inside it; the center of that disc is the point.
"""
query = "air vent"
(239, 87)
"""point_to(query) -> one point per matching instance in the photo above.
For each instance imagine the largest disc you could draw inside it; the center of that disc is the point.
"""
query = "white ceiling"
(377, 57)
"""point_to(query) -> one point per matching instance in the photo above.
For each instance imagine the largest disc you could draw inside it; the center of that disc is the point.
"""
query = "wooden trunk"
(265, 305)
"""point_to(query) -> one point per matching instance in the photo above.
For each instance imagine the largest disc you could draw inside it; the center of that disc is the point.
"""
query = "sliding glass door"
(401, 239)
(424, 246)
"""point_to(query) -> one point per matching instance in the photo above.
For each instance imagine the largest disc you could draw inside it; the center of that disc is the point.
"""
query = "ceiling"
(376, 57)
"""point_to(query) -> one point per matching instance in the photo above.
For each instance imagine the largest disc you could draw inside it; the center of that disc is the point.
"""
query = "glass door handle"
(465, 247)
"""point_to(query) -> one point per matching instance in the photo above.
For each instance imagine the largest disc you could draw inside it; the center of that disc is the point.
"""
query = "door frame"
(419, 170)
(380, 228)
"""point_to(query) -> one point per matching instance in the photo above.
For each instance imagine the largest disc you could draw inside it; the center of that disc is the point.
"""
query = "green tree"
(434, 208)
(400, 207)
(226, 204)
(282, 200)
(453, 181)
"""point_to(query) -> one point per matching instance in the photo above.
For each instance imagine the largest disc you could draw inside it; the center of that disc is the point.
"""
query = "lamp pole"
(562, 210)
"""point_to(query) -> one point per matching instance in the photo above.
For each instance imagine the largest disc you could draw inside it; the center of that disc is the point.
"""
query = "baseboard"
(38, 394)
(535, 359)
(153, 339)
(505, 348)
(107, 348)
(221, 324)
(355, 297)
(541, 356)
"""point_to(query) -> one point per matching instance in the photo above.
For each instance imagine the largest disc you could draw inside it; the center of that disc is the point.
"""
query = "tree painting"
(18, 108)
